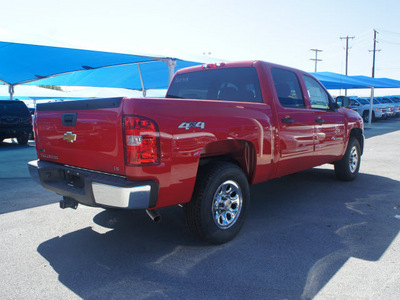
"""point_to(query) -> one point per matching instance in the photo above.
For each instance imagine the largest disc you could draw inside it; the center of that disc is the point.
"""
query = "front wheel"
(219, 204)
(366, 116)
(347, 168)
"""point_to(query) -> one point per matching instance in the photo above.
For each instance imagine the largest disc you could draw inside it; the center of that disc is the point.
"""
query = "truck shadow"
(300, 231)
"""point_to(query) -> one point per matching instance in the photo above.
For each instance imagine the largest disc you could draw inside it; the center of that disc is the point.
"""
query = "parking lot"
(307, 236)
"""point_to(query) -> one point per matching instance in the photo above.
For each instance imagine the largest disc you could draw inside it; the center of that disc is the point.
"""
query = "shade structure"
(141, 76)
(26, 64)
(379, 82)
(338, 81)
(48, 65)
(22, 63)
(335, 81)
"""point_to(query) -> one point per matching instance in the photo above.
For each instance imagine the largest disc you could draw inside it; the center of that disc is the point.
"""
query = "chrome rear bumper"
(93, 188)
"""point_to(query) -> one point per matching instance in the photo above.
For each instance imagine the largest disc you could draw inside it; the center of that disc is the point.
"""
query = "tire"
(347, 168)
(365, 116)
(219, 204)
(23, 139)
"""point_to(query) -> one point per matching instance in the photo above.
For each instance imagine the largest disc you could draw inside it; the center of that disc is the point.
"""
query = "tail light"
(142, 143)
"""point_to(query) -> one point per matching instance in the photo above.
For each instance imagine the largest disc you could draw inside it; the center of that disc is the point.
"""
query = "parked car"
(362, 106)
(389, 105)
(15, 121)
(220, 128)
(396, 102)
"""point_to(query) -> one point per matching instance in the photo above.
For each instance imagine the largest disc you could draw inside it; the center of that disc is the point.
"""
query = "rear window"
(229, 84)
(14, 108)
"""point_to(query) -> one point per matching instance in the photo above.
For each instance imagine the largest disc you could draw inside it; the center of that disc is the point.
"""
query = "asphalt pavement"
(307, 236)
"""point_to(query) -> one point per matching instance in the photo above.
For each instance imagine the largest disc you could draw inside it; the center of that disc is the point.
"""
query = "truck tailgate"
(86, 134)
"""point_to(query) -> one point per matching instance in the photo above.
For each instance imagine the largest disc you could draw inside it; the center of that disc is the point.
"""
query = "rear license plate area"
(73, 179)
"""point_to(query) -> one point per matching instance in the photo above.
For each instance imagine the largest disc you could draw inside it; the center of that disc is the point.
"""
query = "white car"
(396, 102)
(391, 108)
(362, 106)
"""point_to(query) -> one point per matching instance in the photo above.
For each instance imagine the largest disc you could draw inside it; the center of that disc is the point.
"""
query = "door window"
(318, 97)
(287, 88)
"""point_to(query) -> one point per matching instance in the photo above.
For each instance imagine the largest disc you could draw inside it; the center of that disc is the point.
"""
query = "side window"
(318, 97)
(287, 88)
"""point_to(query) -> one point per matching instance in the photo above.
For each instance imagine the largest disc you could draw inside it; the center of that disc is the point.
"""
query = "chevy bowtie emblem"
(69, 137)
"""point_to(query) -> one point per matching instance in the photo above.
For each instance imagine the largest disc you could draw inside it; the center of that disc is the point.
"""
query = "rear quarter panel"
(182, 148)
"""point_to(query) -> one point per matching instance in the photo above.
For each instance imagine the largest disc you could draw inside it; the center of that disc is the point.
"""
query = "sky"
(280, 31)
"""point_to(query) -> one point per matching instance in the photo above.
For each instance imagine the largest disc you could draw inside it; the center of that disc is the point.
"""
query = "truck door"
(329, 129)
(295, 124)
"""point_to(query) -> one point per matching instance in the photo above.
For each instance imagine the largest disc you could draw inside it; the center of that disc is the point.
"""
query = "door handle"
(287, 120)
(320, 121)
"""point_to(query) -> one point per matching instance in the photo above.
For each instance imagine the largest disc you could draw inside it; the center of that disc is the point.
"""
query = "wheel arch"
(357, 133)
(239, 152)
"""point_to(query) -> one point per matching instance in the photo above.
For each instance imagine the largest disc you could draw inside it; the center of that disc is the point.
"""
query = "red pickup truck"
(221, 128)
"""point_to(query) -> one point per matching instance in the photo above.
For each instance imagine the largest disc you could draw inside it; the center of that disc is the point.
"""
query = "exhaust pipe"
(154, 215)
(68, 202)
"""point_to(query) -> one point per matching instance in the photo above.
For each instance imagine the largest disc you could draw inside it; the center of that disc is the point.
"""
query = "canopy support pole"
(141, 81)
(11, 91)
(371, 105)
(171, 68)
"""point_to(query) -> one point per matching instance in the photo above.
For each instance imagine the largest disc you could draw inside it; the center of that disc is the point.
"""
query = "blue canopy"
(47, 65)
(338, 81)
(25, 63)
(152, 75)
(379, 82)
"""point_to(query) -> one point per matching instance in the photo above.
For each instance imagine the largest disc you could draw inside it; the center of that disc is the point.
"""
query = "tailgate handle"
(69, 119)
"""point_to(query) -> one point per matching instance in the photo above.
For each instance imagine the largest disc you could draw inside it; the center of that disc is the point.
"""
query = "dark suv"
(15, 121)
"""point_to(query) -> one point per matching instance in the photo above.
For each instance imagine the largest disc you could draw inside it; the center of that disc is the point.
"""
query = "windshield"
(396, 100)
(385, 100)
(363, 101)
(228, 84)
(376, 101)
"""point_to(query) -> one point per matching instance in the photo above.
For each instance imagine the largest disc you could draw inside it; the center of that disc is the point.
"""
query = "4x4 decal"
(188, 125)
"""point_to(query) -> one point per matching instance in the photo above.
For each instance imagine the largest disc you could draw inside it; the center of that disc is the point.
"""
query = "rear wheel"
(219, 204)
(347, 168)
(23, 139)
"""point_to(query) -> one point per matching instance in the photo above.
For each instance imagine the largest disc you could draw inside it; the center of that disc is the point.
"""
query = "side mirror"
(346, 102)
(343, 101)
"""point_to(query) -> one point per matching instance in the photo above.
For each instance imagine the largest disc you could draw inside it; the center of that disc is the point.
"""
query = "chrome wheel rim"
(227, 204)
(353, 159)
